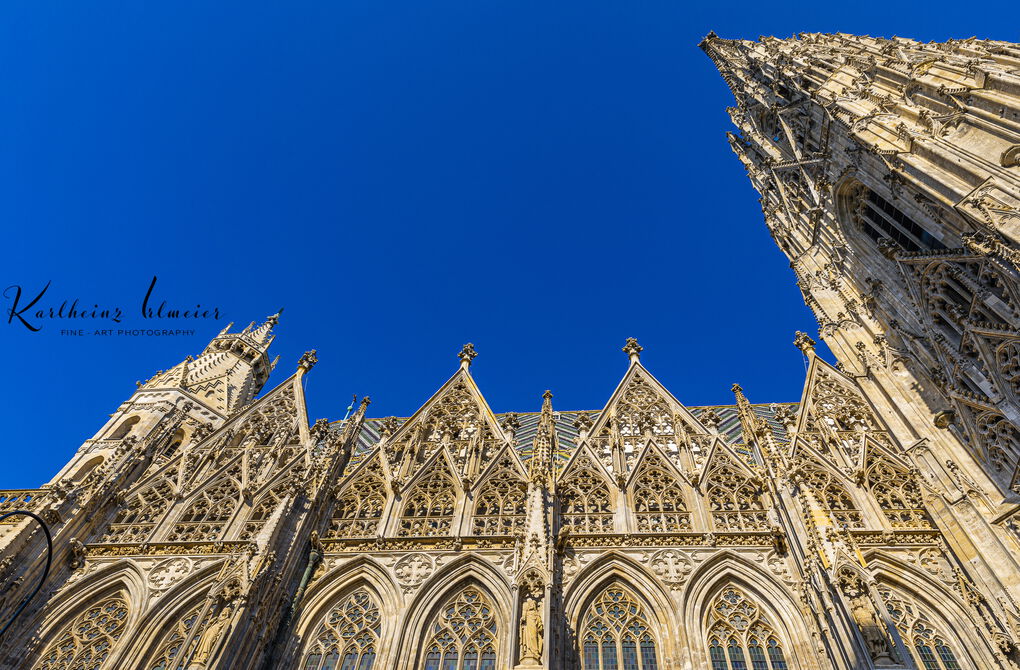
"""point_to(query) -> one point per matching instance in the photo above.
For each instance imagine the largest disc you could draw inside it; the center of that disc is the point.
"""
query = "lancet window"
(262, 510)
(428, 507)
(134, 522)
(1002, 441)
(501, 502)
(733, 498)
(86, 642)
(348, 638)
(879, 219)
(206, 517)
(360, 504)
(585, 503)
(615, 633)
(930, 647)
(464, 634)
(740, 637)
(170, 653)
(835, 500)
(898, 495)
(659, 499)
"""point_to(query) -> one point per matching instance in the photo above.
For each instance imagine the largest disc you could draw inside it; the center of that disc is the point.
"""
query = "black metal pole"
(46, 570)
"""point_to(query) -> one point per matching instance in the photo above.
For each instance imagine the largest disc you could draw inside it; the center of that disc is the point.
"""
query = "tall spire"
(540, 468)
(229, 373)
(263, 334)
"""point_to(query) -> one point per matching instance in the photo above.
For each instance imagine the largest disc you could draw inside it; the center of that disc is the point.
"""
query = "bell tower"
(889, 174)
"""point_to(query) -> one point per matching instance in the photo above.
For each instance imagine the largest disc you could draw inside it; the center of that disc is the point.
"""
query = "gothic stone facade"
(869, 525)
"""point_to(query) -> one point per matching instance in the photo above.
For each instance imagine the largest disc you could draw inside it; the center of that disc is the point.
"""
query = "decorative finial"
(803, 342)
(547, 395)
(275, 318)
(633, 349)
(467, 354)
(308, 360)
(737, 389)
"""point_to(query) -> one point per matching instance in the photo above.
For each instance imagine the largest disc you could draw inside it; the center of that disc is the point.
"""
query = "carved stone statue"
(872, 631)
(531, 631)
(209, 639)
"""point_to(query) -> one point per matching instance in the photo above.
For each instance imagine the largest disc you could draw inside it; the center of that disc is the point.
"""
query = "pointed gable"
(429, 500)
(456, 417)
(585, 495)
(639, 411)
(500, 500)
(659, 494)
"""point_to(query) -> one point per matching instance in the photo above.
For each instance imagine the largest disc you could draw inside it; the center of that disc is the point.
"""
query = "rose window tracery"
(740, 636)
(615, 633)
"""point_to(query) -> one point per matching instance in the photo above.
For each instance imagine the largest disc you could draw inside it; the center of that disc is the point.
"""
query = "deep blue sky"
(543, 179)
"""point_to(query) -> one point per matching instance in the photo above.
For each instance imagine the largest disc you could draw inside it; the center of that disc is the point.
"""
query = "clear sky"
(543, 179)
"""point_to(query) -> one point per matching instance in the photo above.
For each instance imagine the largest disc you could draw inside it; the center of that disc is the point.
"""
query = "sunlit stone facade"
(870, 524)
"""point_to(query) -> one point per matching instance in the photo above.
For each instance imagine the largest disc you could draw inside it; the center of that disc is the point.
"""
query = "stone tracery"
(348, 637)
(615, 632)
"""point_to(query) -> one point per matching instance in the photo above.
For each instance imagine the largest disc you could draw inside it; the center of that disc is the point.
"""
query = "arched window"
(86, 642)
(879, 219)
(428, 509)
(931, 649)
(584, 500)
(264, 509)
(360, 505)
(124, 429)
(175, 442)
(833, 497)
(170, 654)
(615, 633)
(204, 520)
(740, 637)
(659, 499)
(1002, 440)
(898, 495)
(135, 521)
(734, 500)
(501, 502)
(464, 634)
(348, 638)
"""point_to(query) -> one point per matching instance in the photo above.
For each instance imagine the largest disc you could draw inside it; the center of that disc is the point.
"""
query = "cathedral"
(873, 524)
